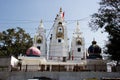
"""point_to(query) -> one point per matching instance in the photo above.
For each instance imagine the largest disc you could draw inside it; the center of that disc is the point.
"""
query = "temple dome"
(94, 51)
(33, 51)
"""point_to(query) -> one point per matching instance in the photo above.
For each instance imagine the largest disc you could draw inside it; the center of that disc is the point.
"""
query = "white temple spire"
(58, 48)
(40, 39)
(77, 30)
(40, 27)
(41, 24)
(77, 44)
(60, 16)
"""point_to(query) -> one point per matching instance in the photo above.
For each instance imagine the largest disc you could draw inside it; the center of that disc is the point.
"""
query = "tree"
(108, 17)
(14, 42)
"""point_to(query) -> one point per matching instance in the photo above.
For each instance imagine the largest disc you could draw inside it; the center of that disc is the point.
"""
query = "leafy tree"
(14, 42)
(108, 17)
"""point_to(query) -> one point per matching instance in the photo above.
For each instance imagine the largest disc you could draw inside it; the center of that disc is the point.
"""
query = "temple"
(58, 55)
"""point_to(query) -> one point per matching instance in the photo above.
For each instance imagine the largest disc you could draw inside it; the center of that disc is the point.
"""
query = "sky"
(27, 14)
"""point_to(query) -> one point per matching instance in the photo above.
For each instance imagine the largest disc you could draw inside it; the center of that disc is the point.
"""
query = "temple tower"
(58, 47)
(77, 45)
(40, 40)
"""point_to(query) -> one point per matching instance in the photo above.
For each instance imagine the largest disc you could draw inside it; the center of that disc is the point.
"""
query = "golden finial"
(60, 9)
(41, 23)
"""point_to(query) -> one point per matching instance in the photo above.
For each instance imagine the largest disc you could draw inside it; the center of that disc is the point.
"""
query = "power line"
(36, 21)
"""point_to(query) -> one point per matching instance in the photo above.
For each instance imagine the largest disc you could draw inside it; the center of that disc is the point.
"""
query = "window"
(38, 47)
(59, 40)
(60, 23)
(79, 49)
(60, 29)
(39, 41)
(79, 42)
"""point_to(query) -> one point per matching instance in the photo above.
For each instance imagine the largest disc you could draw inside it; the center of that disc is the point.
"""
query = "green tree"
(108, 17)
(14, 42)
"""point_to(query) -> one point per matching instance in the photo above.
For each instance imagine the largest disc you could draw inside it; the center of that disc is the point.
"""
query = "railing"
(4, 68)
(60, 68)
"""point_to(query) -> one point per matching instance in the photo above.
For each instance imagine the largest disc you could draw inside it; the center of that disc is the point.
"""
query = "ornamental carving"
(78, 41)
(39, 39)
(60, 31)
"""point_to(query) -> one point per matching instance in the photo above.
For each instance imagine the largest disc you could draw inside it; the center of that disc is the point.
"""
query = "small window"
(39, 41)
(38, 47)
(79, 49)
(60, 29)
(60, 23)
(59, 40)
(78, 42)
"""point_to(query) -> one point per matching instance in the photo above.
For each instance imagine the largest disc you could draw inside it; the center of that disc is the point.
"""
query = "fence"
(60, 68)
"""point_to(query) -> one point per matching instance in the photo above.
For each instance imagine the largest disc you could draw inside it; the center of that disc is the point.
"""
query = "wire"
(36, 21)
(50, 31)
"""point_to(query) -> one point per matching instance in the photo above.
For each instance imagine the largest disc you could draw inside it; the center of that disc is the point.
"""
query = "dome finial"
(41, 24)
(77, 30)
(60, 9)
(93, 39)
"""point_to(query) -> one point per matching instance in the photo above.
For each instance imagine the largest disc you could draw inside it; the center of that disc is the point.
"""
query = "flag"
(62, 15)
(14, 61)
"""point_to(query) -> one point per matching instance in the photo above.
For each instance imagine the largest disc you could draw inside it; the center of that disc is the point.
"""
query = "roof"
(33, 51)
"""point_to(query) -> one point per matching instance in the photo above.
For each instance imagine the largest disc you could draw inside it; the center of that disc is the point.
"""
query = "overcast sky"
(28, 13)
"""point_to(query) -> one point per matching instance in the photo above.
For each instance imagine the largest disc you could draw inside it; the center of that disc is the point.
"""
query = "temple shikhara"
(58, 55)
(59, 45)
